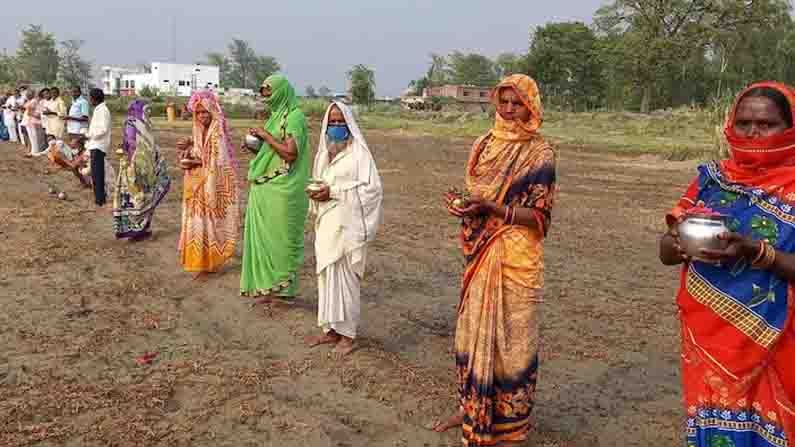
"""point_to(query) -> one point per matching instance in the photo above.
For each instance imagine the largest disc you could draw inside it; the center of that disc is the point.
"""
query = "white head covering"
(367, 212)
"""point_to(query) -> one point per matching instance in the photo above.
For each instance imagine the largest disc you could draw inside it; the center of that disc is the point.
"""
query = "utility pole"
(174, 39)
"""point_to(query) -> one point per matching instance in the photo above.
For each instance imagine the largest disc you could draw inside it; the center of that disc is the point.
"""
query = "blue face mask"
(338, 133)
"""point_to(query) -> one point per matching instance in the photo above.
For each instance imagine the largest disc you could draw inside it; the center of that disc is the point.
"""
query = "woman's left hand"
(738, 246)
(475, 207)
(262, 134)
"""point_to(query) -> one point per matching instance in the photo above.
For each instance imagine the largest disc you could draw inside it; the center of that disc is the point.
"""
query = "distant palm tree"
(362, 84)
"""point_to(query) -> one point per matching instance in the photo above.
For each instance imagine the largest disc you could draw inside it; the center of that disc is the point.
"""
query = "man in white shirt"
(10, 116)
(98, 142)
(77, 119)
(20, 112)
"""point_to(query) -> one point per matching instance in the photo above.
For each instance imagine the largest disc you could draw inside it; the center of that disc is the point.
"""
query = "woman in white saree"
(348, 212)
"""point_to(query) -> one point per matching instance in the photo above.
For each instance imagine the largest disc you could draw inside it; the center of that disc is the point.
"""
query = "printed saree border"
(736, 427)
(742, 318)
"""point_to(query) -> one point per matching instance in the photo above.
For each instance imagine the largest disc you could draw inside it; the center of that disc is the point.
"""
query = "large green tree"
(8, 72)
(362, 83)
(746, 52)
(472, 69)
(221, 61)
(73, 69)
(650, 39)
(37, 57)
(264, 66)
(564, 59)
(510, 63)
(242, 63)
(247, 69)
(438, 72)
(418, 86)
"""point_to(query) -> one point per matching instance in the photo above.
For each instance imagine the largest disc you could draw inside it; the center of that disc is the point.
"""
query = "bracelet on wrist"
(766, 257)
(760, 254)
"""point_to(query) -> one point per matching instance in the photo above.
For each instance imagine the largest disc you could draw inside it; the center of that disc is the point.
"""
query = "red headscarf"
(763, 162)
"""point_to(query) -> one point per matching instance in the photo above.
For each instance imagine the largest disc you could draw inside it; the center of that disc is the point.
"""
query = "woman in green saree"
(277, 205)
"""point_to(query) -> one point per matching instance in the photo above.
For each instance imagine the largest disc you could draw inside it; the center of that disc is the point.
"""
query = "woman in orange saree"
(210, 202)
(736, 304)
(510, 184)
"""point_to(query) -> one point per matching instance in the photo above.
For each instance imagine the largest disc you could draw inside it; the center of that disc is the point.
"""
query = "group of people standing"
(347, 205)
(736, 304)
(506, 213)
(44, 125)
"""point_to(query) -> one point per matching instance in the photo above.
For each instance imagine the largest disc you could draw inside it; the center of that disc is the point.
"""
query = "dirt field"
(78, 307)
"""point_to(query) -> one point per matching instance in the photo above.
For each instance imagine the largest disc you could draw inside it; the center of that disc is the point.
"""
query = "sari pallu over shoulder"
(142, 181)
(277, 205)
(497, 338)
(738, 338)
(210, 203)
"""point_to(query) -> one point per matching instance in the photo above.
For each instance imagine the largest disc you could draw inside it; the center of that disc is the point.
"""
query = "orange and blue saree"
(738, 339)
(497, 338)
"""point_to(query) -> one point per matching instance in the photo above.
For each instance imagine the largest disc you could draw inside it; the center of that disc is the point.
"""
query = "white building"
(167, 78)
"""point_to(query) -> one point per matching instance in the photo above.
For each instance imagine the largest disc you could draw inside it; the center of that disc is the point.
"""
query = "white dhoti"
(339, 293)
(35, 142)
(345, 224)
(11, 124)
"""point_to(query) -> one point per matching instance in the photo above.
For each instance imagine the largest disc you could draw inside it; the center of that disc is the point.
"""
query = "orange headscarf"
(527, 90)
(763, 162)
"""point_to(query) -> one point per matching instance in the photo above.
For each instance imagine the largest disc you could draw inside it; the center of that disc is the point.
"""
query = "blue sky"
(316, 42)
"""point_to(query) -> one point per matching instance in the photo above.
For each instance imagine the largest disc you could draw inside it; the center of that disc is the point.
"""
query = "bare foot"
(344, 347)
(200, 276)
(453, 421)
(325, 339)
(262, 300)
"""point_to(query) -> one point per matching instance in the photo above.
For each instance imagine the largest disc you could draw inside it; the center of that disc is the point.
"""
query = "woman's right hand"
(449, 198)
(671, 246)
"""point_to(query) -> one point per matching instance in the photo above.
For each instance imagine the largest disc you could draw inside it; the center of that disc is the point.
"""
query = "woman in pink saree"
(210, 202)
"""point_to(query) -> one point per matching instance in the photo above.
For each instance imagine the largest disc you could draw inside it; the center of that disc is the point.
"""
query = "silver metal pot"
(253, 142)
(699, 231)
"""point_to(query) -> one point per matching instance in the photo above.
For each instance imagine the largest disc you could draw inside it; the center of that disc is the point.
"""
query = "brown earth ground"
(78, 307)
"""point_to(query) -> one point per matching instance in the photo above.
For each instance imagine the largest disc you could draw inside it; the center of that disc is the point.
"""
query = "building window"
(165, 81)
(182, 83)
(132, 84)
(466, 93)
(483, 94)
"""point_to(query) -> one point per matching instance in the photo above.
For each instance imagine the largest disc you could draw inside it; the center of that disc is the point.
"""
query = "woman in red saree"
(510, 184)
(736, 304)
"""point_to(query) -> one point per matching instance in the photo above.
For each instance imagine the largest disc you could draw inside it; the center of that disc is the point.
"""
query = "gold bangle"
(766, 258)
(770, 258)
(761, 253)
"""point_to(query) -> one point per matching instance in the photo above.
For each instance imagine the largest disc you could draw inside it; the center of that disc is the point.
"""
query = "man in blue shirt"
(77, 120)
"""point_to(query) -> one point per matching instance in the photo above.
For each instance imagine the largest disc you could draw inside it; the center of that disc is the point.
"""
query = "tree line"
(41, 58)
(642, 55)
